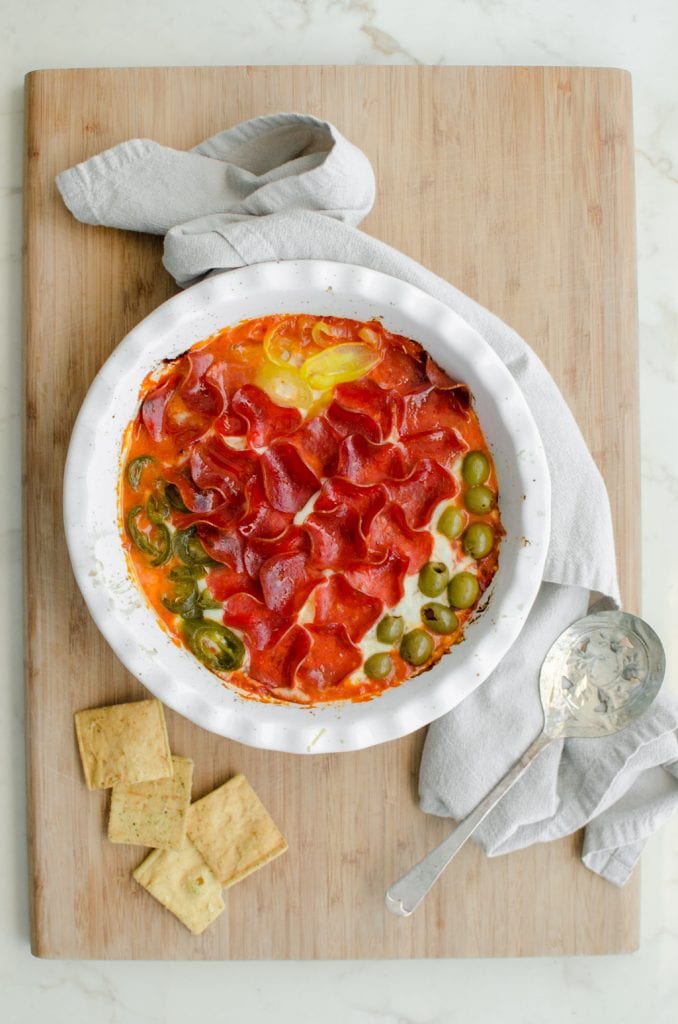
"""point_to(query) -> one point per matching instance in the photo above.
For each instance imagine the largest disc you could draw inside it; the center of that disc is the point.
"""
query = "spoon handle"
(406, 894)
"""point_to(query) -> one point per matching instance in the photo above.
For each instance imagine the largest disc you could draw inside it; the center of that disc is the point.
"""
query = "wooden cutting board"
(517, 185)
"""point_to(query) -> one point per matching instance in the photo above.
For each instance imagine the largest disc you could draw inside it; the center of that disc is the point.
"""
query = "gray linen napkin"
(289, 186)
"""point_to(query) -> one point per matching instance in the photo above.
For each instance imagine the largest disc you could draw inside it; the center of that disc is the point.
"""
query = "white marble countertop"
(619, 33)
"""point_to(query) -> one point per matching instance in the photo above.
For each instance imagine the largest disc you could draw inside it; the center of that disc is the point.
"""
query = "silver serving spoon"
(600, 674)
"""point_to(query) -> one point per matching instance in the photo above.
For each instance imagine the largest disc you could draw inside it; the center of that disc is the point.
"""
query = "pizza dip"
(309, 506)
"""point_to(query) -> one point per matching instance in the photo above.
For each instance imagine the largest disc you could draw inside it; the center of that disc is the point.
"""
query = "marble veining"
(643, 38)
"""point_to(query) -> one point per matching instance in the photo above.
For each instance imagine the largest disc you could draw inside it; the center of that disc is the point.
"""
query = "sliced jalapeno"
(185, 600)
(188, 548)
(173, 495)
(216, 646)
(207, 601)
(158, 508)
(136, 467)
(187, 572)
(157, 545)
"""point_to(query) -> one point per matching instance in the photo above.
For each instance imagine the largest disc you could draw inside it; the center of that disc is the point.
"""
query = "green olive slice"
(216, 646)
(416, 647)
(479, 500)
(475, 468)
(433, 578)
(390, 629)
(463, 590)
(438, 618)
(451, 522)
(478, 540)
(378, 666)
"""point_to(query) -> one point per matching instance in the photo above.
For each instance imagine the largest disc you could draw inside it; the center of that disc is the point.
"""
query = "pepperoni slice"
(419, 493)
(429, 408)
(331, 657)
(288, 481)
(318, 444)
(366, 397)
(362, 462)
(197, 392)
(261, 626)
(286, 581)
(193, 498)
(214, 465)
(400, 370)
(293, 540)
(225, 517)
(347, 422)
(154, 405)
(260, 518)
(390, 533)
(336, 537)
(383, 579)
(367, 501)
(443, 445)
(337, 601)
(186, 404)
(277, 665)
(266, 420)
(227, 548)
(223, 582)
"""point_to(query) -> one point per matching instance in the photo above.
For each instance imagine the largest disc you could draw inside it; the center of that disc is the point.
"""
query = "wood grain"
(514, 183)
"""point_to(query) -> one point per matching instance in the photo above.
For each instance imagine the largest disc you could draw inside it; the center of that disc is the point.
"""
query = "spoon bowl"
(600, 675)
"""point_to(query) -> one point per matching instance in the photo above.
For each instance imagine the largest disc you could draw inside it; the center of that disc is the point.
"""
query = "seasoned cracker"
(123, 743)
(184, 884)
(234, 831)
(153, 813)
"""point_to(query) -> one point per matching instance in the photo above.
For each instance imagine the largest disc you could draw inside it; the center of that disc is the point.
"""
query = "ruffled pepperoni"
(277, 665)
(225, 517)
(336, 537)
(288, 481)
(197, 391)
(429, 408)
(362, 462)
(331, 658)
(257, 550)
(383, 579)
(186, 404)
(215, 466)
(154, 406)
(227, 548)
(223, 582)
(286, 581)
(318, 444)
(347, 422)
(261, 626)
(193, 498)
(266, 420)
(443, 445)
(390, 533)
(419, 493)
(368, 399)
(260, 519)
(367, 501)
(337, 601)
(400, 370)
